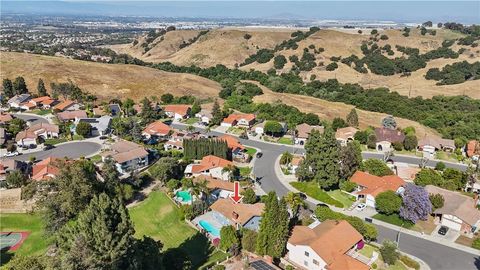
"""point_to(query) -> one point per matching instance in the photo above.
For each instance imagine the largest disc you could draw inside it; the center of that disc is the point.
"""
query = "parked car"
(361, 206)
(48, 146)
(103, 137)
(11, 154)
(259, 155)
(443, 230)
(303, 196)
(322, 205)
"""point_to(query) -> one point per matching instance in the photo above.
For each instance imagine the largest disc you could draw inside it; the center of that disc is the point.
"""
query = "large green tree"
(165, 169)
(376, 167)
(273, 128)
(350, 159)
(41, 89)
(8, 88)
(19, 86)
(217, 114)
(228, 238)
(83, 129)
(388, 202)
(352, 118)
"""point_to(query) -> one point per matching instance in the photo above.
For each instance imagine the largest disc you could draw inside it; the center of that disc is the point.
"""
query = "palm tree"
(286, 158)
(294, 201)
(233, 172)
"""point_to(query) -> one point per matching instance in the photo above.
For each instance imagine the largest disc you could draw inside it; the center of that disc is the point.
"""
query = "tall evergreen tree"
(42, 91)
(274, 227)
(8, 88)
(217, 115)
(19, 86)
(148, 114)
(352, 118)
(196, 108)
(350, 159)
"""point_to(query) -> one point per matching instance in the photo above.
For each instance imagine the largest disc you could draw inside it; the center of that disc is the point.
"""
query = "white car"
(361, 206)
(11, 154)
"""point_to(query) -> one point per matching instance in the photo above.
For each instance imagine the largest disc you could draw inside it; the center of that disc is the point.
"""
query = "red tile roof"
(177, 108)
(5, 117)
(237, 212)
(71, 115)
(232, 118)
(45, 169)
(473, 148)
(157, 128)
(210, 162)
(232, 142)
(374, 185)
(40, 99)
(64, 104)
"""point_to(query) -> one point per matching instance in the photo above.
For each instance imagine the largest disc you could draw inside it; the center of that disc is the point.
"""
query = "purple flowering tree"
(416, 204)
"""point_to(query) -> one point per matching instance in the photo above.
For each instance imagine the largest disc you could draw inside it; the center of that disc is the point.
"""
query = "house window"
(315, 262)
(307, 254)
(305, 263)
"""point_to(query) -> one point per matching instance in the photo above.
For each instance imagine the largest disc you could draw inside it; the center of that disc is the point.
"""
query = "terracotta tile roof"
(48, 102)
(237, 117)
(25, 134)
(71, 115)
(436, 142)
(389, 135)
(5, 117)
(473, 148)
(213, 183)
(41, 99)
(296, 160)
(374, 185)
(456, 204)
(28, 105)
(44, 127)
(330, 240)
(345, 133)
(210, 162)
(407, 173)
(123, 151)
(45, 169)
(177, 108)
(64, 104)
(174, 143)
(232, 142)
(237, 213)
(157, 128)
(303, 130)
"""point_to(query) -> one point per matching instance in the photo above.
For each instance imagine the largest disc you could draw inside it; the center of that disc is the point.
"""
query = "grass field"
(54, 141)
(245, 171)
(159, 218)
(285, 140)
(36, 242)
(312, 190)
(251, 151)
(191, 121)
(40, 112)
(342, 197)
(394, 219)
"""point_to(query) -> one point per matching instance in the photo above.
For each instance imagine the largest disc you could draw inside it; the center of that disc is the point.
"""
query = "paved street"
(71, 150)
(437, 256)
(31, 119)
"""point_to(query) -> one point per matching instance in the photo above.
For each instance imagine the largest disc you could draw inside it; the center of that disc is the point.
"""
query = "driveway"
(71, 150)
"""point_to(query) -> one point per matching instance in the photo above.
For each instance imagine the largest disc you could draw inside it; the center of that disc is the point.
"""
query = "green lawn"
(159, 218)
(96, 158)
(36, 242)
(394, 219)
(342, 197)
(191, 121)
(41, 112)
(245, 171)
(54, 141)
(312, 190)
(77, 137)
(368, 250)
(250, 151)
(285, 140)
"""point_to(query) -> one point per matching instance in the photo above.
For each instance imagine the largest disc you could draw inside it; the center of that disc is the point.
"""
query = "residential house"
(44, 102)
(27, 106)
(369, 186)
(9, 165)
(127, 155)
(218, 188)
(204, 116)
(112, 110)
(17, 100)
(406, 172)
(157, 130)
(177, 111)
(329, 245)
(71, 115)
(239, 215)
(67, 105)
(295, 163)
(345, 135)
(100, 126)
(5, 118)
(459, 211)
(210, 166)
(236, 148)
(260, 127)
(473, 149)
(41, 130)
(386, 137)
(430, 144)
(46, 169)
(3, 136)
(304, 130)
(176, 140)
(242, 120)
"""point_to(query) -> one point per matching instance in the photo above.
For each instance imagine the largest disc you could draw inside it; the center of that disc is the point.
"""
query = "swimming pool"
(184, 195)
(209, 228)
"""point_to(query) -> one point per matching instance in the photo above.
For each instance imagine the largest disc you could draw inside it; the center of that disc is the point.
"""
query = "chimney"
(234, 215)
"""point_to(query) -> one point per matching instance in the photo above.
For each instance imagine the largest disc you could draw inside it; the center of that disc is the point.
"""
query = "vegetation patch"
(395, 219)
(313, 190)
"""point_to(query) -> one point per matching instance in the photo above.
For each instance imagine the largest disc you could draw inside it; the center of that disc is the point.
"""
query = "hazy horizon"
(398, 11)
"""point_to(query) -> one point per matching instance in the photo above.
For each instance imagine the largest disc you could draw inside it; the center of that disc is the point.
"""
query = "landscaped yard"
(236, 130)
(36, 242)
(54, 141)
(40, 112)
(313, 190)
(250, 151)
(394, 219)
(368, 250)
(285, 140)
(96, 158)
(342, 197)
(425, 226)
(245, 171)
(159, 218)
(191, 121)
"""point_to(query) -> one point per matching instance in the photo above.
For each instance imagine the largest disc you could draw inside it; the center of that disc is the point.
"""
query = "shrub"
(228, 237)
(398, 146)
(383, 37)
(389, 252)
(348, 186)
(249, 240)
(476, 243)
(376, 167)
(247, 36)
(388, 202)
(410, 262)
(437, 200)
(440, 166)
(332, 66)
(374, 32)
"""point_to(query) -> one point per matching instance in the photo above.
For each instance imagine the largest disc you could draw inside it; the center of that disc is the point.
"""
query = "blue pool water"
(184, 195)
(209, 228)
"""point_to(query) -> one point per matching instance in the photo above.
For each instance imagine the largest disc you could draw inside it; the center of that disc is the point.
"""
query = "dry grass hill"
(229, 47)
(104, 80)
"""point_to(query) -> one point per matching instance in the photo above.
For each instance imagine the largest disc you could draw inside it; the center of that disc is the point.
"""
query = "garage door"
(451, 224)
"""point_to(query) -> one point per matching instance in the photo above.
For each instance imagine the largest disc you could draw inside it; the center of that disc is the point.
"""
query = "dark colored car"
(443, 230)
(322, 205)
(302, 195)
(103, 137)
(48, 147)
(259, 154)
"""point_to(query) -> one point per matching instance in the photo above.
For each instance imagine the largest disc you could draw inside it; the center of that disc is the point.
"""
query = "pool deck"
(213, 219)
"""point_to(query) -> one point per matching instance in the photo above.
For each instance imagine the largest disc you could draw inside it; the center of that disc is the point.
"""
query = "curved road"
(70, 150)
(437, 256)
(31, 118)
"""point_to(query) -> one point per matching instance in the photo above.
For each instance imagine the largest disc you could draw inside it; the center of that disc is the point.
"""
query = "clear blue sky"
(400, 11)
